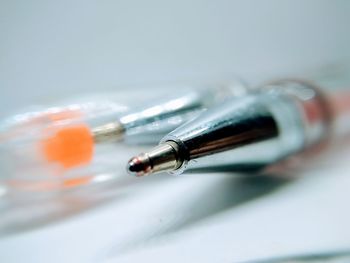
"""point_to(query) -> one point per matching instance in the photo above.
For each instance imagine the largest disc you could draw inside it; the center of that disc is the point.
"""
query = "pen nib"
(162, 158)
(139, 165)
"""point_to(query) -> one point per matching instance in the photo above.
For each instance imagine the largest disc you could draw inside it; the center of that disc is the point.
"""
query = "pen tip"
(139, 165)
(162, 158)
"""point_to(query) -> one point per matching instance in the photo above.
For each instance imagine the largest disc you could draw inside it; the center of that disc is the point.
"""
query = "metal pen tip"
(164, 157)
(109, 132)
(139, 165)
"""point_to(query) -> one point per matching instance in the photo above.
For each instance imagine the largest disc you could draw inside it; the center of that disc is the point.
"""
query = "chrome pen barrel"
(147, 124)
(254, 130)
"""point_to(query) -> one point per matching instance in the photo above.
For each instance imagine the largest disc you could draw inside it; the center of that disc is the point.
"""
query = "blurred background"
(60, 49)
(51, 48)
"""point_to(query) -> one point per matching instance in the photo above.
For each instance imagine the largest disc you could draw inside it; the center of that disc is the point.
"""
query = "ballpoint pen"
(250, 132)
(64, 140)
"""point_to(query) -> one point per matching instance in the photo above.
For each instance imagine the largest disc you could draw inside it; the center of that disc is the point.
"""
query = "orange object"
(72, 182)
(69, 146)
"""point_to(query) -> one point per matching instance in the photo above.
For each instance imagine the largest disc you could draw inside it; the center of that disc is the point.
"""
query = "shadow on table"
(28, 211)
(224, 194)
(330, 257)
(232, 190)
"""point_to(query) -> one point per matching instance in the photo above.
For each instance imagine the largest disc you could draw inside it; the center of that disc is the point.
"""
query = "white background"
(51, 49)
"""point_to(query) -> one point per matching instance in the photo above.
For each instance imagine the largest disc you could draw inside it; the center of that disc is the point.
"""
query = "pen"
(249, 132)
(148, 123)
(144, 124)
(70, 142)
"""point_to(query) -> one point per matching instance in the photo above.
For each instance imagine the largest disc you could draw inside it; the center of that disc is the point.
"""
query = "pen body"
(148, 122)
(247, 133)
(48, 148)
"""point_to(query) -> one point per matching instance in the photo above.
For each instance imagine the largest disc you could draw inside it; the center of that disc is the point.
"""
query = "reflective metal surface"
(257, 129)
(148, 124)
